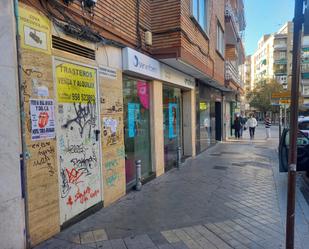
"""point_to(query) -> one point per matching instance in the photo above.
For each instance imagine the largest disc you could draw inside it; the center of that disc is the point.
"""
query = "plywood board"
(113, 163)
(42, 175)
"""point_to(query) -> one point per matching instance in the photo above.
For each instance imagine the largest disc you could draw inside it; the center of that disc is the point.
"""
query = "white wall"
(11, 202)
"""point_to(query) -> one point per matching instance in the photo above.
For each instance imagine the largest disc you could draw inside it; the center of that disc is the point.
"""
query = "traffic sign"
(279, 95)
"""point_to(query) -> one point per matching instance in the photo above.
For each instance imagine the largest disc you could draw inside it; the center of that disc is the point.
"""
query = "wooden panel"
(113, 163)
(42, 174)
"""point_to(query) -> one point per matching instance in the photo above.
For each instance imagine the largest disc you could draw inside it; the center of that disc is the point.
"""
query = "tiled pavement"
(230, 196)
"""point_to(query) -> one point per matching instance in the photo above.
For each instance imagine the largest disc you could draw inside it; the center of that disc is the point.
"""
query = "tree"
(260, 97)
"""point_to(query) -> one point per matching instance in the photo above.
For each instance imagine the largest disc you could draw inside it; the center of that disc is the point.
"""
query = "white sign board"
(42, 119)
(137, 62)
(107, 72)
(171, 75)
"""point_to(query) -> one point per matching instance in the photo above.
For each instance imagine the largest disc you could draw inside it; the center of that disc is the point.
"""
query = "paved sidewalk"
(230, 196)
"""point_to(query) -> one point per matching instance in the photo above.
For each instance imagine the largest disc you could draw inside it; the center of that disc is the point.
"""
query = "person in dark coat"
(237, 127)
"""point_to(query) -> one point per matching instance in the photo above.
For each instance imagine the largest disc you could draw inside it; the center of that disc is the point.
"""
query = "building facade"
(273, 58)
(234, 62)
(106, 84)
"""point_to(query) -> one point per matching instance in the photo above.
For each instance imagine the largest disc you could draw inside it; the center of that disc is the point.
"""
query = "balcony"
(280, 46)
(232, 31)
(280, 61)
(232, 74)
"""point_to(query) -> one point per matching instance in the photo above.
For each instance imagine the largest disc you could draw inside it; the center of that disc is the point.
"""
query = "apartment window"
(220, 40)
(199, 11)
(282, 55)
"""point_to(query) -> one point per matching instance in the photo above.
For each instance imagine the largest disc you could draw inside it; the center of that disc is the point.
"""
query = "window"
(282, 55)
(220, 40)
(199, 13)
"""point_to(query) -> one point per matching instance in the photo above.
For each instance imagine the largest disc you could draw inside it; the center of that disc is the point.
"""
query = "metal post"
(285, 116)
(290, 217)
(178, 156)
(138, 165)
(280, 122)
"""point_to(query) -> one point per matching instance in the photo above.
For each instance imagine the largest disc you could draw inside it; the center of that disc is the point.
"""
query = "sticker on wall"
(75, 83)
(42, 119)
(143, 93)
(35, 30)
(172, 120)
(133, 118)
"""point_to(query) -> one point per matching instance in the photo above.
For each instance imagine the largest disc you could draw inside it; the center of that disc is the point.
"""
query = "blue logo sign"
(135, 61)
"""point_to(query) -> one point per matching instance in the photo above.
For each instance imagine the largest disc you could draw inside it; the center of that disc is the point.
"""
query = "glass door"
(136, 127)
(171, 124)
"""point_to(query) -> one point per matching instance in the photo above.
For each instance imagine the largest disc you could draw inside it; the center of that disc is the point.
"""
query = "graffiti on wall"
(78, 142)
(113, 166)
(43, 154)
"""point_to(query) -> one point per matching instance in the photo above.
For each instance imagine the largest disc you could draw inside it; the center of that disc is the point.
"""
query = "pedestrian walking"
(267, 123)
(251, 123)
(237, 126)
(243, 121)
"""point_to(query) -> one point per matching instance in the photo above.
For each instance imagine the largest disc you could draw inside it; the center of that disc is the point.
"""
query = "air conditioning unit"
(148, 38)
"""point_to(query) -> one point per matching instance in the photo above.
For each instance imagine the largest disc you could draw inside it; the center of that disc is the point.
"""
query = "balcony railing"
(280, 46)
(280, 61)
(229, 11)
(232, 74)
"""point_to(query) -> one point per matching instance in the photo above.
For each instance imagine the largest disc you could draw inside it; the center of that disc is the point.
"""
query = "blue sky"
(263, 17)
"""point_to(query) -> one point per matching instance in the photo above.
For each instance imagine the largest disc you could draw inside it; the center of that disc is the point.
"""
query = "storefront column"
(189, 134)
(157, 127)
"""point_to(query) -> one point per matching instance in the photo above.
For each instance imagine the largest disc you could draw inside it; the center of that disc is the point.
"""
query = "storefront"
(159, 108)
(172, 124)
(208, 117)
(136, 127)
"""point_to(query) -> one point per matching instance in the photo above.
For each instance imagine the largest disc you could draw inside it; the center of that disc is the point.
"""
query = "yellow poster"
(34, 30)
(75, 83)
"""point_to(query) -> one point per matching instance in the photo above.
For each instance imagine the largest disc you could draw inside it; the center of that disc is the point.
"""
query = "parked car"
(302, 149)
(303, 125)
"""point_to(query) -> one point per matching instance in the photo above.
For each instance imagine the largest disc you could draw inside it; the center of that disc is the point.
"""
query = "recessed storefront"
(172, 125)
(208, 117)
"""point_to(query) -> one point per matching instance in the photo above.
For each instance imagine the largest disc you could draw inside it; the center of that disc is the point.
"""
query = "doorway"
(78, 139)
(218, 111)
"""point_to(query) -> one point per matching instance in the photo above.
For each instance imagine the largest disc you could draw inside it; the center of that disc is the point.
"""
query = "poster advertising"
(35, 30)
(133, 118)
(143, 93)
(42, 119)
(172, 118)
(75, 83)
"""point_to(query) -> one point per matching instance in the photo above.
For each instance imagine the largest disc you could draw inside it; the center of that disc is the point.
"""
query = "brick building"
(106, 83)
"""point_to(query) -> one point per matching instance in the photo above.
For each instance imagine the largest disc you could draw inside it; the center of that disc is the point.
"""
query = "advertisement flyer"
(133, 118)
(172, 117)
(75, 83)
(42, 119)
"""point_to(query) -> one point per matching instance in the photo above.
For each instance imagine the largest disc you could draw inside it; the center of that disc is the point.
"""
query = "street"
(231, 196)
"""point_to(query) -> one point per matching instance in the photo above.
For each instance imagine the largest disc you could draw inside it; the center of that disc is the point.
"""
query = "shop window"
(199, 11)
(220, 39)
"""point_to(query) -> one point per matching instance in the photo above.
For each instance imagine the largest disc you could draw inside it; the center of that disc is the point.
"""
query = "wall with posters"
(78, 138)
(42, 170)
(12, 218)
(111, 102)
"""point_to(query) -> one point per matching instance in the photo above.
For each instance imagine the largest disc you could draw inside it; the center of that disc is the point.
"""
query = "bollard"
(138, 165)
(178, 156)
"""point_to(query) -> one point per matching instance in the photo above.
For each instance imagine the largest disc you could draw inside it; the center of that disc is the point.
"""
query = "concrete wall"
(11, 202)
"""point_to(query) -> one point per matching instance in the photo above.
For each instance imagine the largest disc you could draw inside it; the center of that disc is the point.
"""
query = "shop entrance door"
(218, 110)
(172, 125)
(78, 139)
(136, 128)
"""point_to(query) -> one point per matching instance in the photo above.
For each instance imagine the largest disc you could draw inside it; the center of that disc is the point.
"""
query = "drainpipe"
(24, 154)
